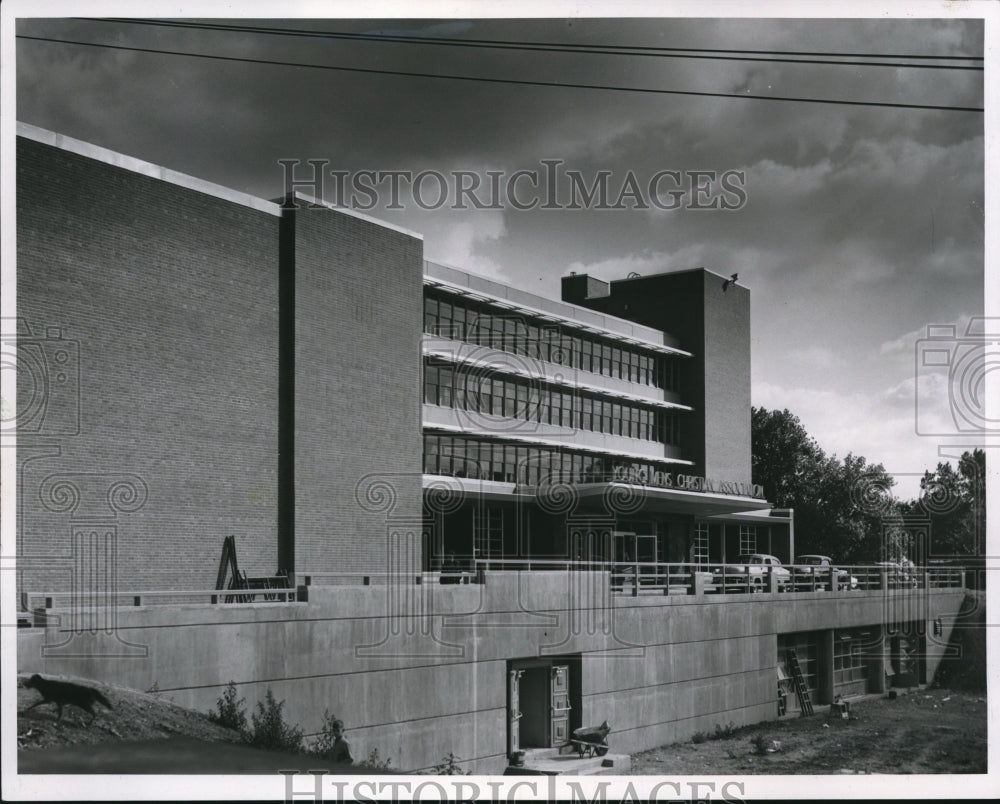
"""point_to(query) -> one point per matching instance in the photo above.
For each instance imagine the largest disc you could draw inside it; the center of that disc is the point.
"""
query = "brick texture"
(358, 323)
(172, 298)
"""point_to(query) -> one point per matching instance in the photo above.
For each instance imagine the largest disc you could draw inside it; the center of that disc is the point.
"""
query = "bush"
(375, 762)
(325, 740)
(759, 742)
(700, 737)
(450, 766)
(724, 732)
(269, 730)
(230, 711)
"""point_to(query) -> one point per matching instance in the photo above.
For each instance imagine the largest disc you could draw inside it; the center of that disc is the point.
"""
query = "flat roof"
(478, 287)
(130, 163)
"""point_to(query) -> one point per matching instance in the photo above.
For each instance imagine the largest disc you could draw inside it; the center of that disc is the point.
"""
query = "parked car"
(898, 575)
(821, 567)
(756, 567)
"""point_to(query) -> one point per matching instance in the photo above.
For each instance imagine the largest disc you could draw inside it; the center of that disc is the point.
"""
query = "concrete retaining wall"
(658, 669)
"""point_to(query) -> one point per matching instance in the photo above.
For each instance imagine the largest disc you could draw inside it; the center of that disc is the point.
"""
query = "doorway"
(543, 702)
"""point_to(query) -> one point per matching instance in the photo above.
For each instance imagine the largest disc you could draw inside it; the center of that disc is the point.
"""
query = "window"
(458, 323)
(848, 658)
(430, 315)
(699, 544)
(804, 645)
(431, 454)
(748, 539)
(431, 381)
(510, 408)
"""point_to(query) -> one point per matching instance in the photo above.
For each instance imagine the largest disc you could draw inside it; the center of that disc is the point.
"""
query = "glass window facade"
(453, 317)
(491, 459)
(479, 390)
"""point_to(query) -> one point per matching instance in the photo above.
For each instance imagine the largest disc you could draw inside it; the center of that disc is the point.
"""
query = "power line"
(555, 47)
(514, 81)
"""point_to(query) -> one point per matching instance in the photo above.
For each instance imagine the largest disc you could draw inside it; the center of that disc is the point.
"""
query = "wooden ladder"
(801, 690)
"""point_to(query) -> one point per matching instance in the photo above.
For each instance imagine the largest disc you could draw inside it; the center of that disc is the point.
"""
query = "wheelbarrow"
(591, 740)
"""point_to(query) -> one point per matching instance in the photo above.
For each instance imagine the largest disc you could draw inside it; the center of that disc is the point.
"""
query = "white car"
(821, 567)
(756, 567)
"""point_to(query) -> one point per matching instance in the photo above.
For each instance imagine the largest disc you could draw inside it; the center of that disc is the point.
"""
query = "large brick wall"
(358, 322)
(172, 297)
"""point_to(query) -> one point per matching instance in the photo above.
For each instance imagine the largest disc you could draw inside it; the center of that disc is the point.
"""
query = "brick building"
(522, 507)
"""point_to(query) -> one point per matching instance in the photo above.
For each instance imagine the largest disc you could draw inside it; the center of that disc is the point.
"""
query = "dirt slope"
(136, 716)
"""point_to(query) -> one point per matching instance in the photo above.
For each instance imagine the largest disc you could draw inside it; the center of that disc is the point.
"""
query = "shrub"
(374, 762)
(759, 742)
(724, 732)
(450, 766)
(324, 742)
(700, 737)
(268, 728)
(229, 710)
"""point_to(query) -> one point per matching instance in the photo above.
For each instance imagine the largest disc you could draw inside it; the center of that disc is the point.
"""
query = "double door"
(538, 709)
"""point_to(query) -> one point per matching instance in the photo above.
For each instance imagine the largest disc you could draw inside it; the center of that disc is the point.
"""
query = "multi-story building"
(503, 516)
(539, 403)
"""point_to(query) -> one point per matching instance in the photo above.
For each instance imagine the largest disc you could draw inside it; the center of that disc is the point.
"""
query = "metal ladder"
(801, 690)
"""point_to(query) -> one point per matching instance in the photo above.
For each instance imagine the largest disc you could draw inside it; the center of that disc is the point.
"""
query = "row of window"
(476, 390)
(466, 456)
(463, 320)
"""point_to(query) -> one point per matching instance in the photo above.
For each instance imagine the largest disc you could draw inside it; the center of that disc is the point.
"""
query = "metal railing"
(631, 578)
(64, 601)
(649, 577)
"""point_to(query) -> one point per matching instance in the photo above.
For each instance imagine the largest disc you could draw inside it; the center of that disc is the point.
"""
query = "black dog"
(64, 693)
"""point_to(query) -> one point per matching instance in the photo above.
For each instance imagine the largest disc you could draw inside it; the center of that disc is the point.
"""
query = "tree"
(841, 506)
(785, 460)
(953, 503)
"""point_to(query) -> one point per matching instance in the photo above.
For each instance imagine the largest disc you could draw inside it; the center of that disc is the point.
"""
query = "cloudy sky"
(862, 224)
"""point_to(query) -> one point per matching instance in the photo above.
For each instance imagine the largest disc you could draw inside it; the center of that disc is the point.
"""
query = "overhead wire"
(563, 47)
(509, 81)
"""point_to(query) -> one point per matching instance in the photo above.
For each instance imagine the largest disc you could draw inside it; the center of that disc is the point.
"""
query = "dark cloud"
(861, 224)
